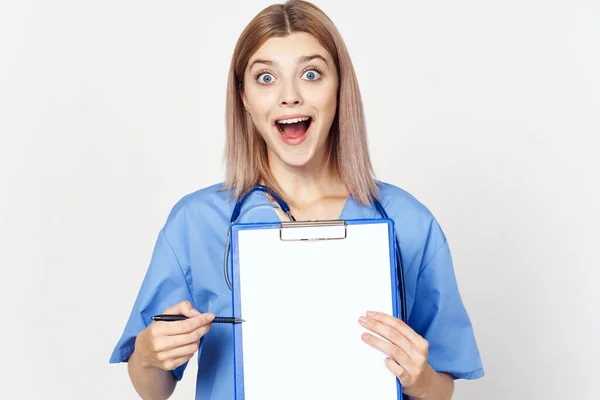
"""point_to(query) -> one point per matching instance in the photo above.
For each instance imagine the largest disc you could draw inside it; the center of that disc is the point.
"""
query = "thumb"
(184, 308)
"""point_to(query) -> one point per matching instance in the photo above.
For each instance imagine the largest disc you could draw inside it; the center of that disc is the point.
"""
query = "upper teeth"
(293, 120)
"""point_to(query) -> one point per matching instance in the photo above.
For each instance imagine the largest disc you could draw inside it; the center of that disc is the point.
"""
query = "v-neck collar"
(348, 205)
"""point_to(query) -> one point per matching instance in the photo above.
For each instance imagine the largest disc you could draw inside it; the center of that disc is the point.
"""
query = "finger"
(172, 364)
(391, 334)
(170, 342)
(398, 371)
(395, 352)
(182, 351)
(397, 324)
(163, 328)
(189, 325)
(184, 307)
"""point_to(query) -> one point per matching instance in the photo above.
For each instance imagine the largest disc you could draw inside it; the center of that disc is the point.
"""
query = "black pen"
(179, 317)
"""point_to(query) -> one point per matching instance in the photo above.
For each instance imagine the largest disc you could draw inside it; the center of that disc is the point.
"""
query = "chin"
(295, 159)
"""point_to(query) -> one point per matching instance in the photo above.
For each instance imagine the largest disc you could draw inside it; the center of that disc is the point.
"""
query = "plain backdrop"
(487, 111)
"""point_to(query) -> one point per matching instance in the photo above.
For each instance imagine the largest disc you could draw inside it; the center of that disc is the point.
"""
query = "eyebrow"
(302, 59)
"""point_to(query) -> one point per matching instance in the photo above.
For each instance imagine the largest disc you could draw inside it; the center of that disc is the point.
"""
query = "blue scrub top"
(187, 264)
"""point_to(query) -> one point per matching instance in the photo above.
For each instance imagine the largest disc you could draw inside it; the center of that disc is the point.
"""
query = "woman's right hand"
(167, 345)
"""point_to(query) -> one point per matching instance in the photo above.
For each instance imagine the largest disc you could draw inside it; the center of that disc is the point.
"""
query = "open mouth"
(294, 127)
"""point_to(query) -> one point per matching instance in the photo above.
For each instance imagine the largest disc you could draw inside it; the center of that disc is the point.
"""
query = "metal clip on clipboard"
(313, 230)
(299, 231)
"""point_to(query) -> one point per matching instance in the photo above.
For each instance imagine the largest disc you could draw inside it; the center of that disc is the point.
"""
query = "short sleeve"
(163, 286)
(439, 315)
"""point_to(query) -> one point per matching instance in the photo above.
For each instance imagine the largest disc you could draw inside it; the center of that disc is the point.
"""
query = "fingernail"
(370, 313)
(194, 312)
(366, 336)
(210, 317)
(364, 320)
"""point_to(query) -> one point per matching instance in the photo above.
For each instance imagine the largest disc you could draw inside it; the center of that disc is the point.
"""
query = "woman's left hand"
(407, 350)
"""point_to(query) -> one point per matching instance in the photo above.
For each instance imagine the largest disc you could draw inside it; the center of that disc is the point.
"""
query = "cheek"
(259, 112)
(327, 101)
(259, 100)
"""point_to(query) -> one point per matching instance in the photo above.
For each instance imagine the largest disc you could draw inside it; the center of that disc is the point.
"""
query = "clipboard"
(301, 287)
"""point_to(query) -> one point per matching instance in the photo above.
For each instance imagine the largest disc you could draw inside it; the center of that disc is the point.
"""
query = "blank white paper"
(302, 301)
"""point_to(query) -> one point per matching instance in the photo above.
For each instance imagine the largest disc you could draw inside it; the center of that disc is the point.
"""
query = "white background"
(488, 112)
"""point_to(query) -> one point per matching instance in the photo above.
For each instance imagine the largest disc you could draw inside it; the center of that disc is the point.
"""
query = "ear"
(244, 100)
(243, 95)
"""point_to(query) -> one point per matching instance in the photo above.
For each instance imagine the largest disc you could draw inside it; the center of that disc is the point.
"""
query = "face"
(290, 92)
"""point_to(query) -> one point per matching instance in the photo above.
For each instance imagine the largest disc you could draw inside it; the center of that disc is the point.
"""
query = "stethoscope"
(286, 210)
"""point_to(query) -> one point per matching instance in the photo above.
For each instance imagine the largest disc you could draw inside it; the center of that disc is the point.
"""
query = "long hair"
(246, 152)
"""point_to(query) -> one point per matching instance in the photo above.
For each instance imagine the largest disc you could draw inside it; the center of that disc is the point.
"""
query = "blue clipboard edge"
(238, 365)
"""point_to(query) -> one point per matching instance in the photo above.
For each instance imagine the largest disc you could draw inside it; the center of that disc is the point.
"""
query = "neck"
(306, 184)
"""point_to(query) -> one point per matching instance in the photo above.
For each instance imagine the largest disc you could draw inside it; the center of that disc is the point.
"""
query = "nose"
(290, 95)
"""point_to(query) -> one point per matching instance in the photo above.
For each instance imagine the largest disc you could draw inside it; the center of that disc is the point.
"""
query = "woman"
(295, 124)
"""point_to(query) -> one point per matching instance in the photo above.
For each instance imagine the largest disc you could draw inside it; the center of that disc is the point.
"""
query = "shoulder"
(415, 224)
(210, 204)
(402, 204)
(210, 196)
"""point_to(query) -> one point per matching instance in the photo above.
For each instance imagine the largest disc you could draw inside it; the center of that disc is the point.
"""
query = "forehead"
(289, 48)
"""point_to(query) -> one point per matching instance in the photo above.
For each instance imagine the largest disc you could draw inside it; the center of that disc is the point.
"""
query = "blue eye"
(265, 78)
(311, 75)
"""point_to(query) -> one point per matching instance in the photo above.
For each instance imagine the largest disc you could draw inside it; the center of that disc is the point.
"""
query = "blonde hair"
(245, 150)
